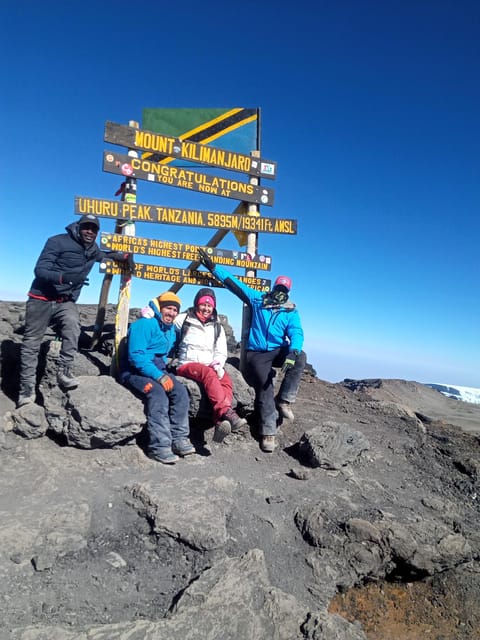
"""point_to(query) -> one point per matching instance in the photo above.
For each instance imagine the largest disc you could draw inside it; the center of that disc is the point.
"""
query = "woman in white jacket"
(202, 352)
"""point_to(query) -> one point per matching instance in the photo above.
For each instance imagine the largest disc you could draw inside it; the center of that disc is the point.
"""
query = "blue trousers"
(259, 374)
(167, 413)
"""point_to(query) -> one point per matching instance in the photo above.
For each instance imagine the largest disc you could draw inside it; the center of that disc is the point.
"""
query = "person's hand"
(166, 382)
(72, 278)
(147, 312)
(205, 259)
(217, 367)
(129, 262)
(289, 362)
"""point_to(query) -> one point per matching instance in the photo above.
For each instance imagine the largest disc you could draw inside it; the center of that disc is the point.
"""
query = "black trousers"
(260, 373)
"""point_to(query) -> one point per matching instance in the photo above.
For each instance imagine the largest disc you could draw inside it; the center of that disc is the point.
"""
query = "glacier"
(465, 394)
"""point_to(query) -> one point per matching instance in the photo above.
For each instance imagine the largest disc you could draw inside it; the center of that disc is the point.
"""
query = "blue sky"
(371, 110)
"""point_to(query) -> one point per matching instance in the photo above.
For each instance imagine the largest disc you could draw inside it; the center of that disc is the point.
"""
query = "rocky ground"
(363, 523)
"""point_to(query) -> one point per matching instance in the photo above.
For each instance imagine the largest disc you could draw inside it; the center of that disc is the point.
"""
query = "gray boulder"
(332, 445)
(98, 413)
(29, 421)
(197, 521)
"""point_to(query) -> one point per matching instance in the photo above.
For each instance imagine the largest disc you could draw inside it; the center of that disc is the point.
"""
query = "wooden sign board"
(144, 169)
(170, 147)
(137, 212)
(181, 251)
(162, 273)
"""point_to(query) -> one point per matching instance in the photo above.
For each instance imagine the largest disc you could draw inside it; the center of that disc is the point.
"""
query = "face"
(204, 310)
(169, 313)
(279, 294)
(88, 232)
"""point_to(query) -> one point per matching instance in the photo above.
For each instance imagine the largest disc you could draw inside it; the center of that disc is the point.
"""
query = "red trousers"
(219, 392)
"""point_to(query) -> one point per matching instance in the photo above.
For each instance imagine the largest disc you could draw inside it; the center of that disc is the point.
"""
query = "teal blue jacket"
(150, 341)
(272, 326)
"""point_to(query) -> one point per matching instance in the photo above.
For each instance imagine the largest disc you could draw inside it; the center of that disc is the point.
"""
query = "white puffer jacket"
(198, 343)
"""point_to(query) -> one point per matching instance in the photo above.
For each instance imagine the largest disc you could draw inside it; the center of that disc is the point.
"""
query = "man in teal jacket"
(150, 340)
(275, 339)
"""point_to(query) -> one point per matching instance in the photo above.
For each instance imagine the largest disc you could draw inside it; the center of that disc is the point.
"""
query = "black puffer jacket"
(66, 253)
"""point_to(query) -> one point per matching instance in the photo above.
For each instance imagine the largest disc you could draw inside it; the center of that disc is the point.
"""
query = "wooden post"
(213, 242)
(252, 250)
(127, 228)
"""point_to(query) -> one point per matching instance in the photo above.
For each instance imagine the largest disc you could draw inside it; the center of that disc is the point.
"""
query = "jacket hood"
(73, 229)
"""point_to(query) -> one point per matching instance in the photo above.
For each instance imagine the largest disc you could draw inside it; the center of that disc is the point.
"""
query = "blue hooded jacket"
(272, 326)
(150, 341)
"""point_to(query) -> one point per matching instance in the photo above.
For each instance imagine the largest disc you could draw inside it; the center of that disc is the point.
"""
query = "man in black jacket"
(60, 272)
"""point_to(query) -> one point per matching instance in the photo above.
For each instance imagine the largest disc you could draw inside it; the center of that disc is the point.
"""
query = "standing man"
(275, 339)
(60, 273)
(150, 341)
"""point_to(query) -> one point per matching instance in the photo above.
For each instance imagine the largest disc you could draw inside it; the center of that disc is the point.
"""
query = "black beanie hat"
(89, 218)
(206, 291)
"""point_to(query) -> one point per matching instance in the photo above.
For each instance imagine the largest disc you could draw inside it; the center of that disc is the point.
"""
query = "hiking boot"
(65, 378)
(222, 429)
(164, 455)
(268, 444)
(285, 410)
(236, 422)
(27, 396)
(183, 447)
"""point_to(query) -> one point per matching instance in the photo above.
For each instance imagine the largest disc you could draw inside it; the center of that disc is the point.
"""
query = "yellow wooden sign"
(162, 273)
(137, 212)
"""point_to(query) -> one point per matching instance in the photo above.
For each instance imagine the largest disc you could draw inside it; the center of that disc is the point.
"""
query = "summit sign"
(169, 147)
(143, 169)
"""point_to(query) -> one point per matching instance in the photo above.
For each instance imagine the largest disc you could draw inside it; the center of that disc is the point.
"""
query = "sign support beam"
(123, 306)
(213, 242)
(252, 250)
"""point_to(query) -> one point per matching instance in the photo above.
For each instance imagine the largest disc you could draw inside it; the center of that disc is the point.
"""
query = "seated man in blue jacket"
(150, 340)
(275, 339)
(60, 273)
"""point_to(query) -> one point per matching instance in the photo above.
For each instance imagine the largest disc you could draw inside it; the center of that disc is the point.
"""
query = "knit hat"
(205, 295)
(168, 299)
(285, 281)
(89, 219)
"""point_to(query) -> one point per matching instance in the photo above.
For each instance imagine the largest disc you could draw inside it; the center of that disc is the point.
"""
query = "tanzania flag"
(233, 129)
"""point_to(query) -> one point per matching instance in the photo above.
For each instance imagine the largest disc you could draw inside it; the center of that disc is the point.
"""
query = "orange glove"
(166, 382)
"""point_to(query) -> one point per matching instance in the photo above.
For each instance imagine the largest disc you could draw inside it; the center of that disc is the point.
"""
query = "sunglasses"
(89, 226)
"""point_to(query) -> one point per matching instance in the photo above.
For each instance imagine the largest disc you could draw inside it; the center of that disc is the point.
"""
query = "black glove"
(73, 279)
(205, 259)
(130, 262)
(289, 361)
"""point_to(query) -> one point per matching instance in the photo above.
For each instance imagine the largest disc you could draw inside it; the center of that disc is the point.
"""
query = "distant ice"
(465, 394)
